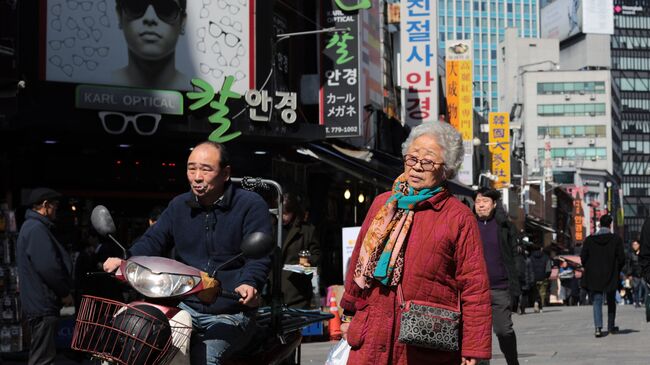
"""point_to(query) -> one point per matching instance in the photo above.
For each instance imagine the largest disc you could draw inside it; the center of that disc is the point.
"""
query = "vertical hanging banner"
(340, 108)
(419, 61)
(458, 66)
(578, 217)
(499, 142)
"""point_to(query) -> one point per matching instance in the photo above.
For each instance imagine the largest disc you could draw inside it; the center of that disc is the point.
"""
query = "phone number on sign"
(336, 130)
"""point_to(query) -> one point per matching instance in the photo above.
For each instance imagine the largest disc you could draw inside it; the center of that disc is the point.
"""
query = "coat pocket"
(358, 328)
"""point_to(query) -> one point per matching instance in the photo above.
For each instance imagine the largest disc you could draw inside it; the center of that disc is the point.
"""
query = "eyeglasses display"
(217, 31)
(167, 10)
(145, 124)
(57, 61)
(57, 44)
(85, 5)
(80, 61)
(426, 165)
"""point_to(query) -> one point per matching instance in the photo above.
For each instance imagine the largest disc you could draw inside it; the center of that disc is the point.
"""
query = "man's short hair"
(224, 160)
(606, 220)
(181, 3)
(488, 192)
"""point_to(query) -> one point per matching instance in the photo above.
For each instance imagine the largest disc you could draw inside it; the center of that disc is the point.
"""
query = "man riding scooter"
(206, 226)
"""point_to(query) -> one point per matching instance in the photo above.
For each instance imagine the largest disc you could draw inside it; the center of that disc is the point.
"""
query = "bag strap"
(401, 301)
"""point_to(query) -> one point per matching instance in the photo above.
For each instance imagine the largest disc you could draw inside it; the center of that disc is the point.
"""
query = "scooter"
(155, 331)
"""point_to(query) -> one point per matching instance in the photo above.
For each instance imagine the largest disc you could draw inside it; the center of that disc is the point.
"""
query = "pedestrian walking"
(542, 271)
(418, 240)
(499, 248)
(602, 259)
(45, 274)
(634, 273)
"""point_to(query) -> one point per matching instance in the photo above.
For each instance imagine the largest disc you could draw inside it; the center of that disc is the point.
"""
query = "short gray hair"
(449, 140)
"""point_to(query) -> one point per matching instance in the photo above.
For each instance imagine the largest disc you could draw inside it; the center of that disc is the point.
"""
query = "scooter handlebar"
(230, 295)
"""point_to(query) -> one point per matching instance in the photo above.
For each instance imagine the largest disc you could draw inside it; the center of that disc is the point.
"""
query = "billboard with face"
(151, 44)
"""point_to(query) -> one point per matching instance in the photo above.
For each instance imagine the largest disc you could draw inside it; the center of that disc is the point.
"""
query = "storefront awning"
(539, 225)
(372, 166)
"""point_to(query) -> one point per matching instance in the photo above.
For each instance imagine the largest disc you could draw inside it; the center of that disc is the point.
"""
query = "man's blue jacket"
(44, 267)
(206, 237)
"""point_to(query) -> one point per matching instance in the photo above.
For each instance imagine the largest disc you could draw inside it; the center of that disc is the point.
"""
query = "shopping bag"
(339, 354)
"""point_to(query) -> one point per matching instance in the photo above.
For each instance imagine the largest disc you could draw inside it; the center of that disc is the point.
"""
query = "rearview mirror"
(257, 245)
(102, 221)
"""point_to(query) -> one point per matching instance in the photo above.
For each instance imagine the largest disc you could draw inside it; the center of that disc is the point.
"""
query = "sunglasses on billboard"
(145, 124)
(167, 10)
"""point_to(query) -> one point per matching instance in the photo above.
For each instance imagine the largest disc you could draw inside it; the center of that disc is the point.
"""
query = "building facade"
(630, 49)
(485, 22)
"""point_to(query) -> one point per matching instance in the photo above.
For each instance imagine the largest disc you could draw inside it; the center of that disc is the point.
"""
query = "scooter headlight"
(158, 285)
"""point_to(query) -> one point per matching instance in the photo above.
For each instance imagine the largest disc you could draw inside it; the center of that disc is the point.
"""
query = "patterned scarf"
(381, 256)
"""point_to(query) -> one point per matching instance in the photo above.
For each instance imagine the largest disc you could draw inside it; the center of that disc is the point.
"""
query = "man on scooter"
(206, 226)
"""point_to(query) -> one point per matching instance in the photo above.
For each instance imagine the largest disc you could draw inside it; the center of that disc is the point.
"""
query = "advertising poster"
(458, 66)
(340, 107)
(419, 61)
(561, 19)
(347, 245)
(598, 17)
(155, 45)
(499, 142)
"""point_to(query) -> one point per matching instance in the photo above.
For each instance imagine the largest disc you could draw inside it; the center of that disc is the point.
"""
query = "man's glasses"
(115, 123)
(167, 10)
(427, 165)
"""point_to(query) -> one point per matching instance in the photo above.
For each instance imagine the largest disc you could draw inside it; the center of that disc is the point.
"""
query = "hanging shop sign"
(353, 5)
(262, 106)
(578, 220)
(340, 107)
(418, 62)
(458, 65)
(97, 42)
(499, 143)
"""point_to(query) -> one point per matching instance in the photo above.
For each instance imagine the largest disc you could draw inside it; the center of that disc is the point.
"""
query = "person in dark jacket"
(45, 274)
(603, 258)
(526, 282)
(542, 270)
(634, 273)
(644, 251)
(298, 236)
(500, 246)
(206, 226)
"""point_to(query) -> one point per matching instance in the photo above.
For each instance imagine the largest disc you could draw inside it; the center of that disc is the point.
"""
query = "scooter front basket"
(127, 334)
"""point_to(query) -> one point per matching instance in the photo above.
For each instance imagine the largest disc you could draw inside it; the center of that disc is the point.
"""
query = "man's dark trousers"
(43, 348)
(502, 325)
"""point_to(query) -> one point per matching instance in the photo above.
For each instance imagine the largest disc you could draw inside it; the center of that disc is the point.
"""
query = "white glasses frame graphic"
(132, 119)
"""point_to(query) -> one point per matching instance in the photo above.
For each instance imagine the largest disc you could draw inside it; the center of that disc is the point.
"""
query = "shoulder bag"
(429, 325)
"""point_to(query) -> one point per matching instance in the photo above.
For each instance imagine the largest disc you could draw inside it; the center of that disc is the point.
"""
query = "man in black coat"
(603, 258)
(542, 269)
(500, 247)
(45, 272)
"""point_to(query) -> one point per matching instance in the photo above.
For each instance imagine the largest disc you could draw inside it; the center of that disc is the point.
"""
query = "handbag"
(428, 325)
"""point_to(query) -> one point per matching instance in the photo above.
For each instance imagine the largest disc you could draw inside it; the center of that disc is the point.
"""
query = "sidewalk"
(559, 335)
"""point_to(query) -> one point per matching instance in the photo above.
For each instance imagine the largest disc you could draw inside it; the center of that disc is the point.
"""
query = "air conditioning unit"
(582, 92)
(558, 162)
(592, 142)
(592, 114)
(567, 97)
(569, 140)
(592, 97)
(571, 163)
(594, 158)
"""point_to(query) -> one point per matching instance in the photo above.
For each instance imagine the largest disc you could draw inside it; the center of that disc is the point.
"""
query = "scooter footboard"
(129, 334)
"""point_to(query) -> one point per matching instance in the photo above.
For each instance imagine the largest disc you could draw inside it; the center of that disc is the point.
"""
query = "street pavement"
(559, 335)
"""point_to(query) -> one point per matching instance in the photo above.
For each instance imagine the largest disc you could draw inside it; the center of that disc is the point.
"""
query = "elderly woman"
(421, 239)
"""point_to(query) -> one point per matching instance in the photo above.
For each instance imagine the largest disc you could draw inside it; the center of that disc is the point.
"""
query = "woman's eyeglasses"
(167, 10)
(427, 165)
(115, 123)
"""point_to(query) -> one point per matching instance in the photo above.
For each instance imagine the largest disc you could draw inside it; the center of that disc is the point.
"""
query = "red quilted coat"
(444, 257)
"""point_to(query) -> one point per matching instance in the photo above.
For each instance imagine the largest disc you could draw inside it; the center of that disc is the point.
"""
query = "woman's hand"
(467, 361)
(344, 329)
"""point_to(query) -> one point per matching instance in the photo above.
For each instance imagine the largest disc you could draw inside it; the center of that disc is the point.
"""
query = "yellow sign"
(499, 142)
(459, 86)
(577, 218)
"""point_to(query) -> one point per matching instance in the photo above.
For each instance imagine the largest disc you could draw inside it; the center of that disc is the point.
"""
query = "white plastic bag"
(339, 354)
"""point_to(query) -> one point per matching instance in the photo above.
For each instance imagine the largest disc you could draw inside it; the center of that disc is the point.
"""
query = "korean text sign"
(339, 69)
(458, 58)
(419, 61)
(499, 142)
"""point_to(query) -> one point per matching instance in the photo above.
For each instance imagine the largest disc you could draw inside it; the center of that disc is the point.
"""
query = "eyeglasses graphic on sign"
(74, 4)
(225, 5)
(217, 31)
(167, 10)
(56, 44)
(56, 17)
(58, 62)
(145, 124)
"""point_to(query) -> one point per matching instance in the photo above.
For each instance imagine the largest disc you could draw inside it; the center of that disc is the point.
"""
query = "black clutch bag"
(429, 325)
